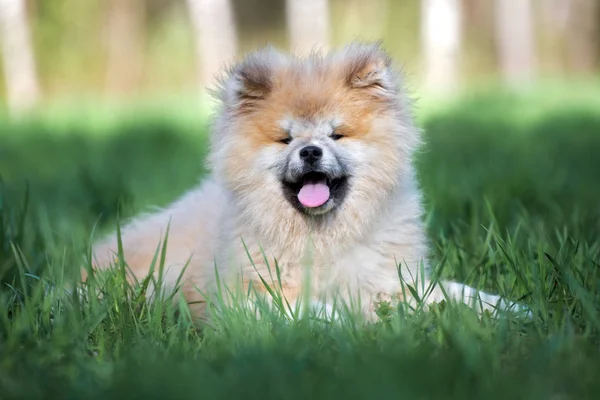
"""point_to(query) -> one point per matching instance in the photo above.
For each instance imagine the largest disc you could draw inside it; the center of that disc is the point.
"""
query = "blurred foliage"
(72, 40)
(544, 165)
(91, 174)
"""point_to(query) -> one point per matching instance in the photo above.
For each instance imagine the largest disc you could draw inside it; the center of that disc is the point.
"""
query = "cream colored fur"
(354, 251)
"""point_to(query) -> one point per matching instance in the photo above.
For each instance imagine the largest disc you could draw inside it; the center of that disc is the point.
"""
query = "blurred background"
(130, 49)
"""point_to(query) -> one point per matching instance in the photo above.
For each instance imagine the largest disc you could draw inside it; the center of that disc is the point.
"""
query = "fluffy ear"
(368, 67)
(250, 81)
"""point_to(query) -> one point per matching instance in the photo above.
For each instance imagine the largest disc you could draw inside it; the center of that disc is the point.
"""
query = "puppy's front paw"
(322, 310)
(318, 310)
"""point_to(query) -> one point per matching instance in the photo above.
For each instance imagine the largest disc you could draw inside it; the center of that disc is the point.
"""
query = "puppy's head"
(316, 135)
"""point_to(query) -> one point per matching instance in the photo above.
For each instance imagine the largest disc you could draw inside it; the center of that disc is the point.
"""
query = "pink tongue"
(313, 194)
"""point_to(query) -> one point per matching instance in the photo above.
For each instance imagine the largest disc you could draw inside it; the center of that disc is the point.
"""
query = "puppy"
(311, 175)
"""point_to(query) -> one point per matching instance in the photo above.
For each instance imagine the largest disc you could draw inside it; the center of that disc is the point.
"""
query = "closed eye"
(336, 136)
(286, 140)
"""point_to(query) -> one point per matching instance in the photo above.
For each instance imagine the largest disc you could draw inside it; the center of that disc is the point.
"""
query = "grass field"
(512, 187)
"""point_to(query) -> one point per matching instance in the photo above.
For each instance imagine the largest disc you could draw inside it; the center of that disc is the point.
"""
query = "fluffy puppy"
(311, 170)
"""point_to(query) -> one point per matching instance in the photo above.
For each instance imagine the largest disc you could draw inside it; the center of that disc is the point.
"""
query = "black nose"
(311, 154)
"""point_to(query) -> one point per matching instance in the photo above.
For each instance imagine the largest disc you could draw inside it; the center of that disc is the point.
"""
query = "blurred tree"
(583, 39)
(18, 59)
(441, 39)
(368, 18)
(553, 18)
(125, 42)
(515, 41)
(260, 21)
(69, 45)
(308, 24)
(478, 52)
(216, 36)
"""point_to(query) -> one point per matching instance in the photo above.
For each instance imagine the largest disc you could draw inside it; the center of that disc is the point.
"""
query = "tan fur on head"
(348, 103)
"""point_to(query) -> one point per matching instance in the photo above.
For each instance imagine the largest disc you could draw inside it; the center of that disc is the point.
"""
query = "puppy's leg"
(279, 295)
(193, 225)
(288, 299)
(478, 300)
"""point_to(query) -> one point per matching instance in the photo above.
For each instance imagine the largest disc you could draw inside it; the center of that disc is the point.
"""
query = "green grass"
(512, 196)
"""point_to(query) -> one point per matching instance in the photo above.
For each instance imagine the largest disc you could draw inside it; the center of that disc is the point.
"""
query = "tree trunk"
(515, 41)
(308, 25)
(216, 37)
(441, 41)
(554, 16)
(583, 35)
(22, 89)
(125, 37)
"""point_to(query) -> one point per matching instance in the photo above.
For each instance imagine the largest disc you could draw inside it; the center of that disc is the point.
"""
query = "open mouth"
(316, 192)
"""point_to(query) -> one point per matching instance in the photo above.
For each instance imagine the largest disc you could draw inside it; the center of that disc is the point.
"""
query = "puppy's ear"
(368, 67)
(250, 81)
